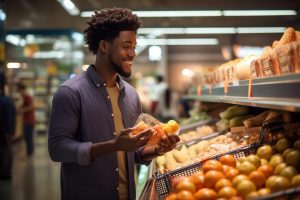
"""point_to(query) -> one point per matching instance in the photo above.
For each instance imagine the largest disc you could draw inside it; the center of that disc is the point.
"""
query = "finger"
(172, 138)
(141, 142)
(146, 134)
(166, 140)
(126, 131)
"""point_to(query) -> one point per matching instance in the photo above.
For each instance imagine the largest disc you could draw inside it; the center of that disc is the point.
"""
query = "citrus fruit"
(265, 152)
(228, 160)
(230, 174)
(236, 180)
(222, 183)
(258, 178)
(174, 125)
(296, 181)
(282, 145)
(245, 187)
(198, 180)
(227, 192)
(246, 167)
(186, 185)
(254, 159)
(212, 165)
(211, 178)
(267, 170)
(206, 194)
(185, 195)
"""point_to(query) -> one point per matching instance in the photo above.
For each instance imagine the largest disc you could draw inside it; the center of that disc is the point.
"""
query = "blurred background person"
(7, 130)
(27, 110)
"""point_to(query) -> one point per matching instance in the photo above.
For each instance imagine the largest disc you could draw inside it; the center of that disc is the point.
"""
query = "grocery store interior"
(226, 70)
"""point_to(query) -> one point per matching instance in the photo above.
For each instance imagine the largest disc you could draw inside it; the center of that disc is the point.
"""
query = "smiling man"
(92, 115)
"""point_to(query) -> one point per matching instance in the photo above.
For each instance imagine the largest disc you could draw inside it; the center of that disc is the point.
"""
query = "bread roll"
(297, 34)
(287, 37)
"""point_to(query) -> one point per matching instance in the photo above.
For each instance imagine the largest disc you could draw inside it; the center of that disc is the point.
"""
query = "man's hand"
(166, 144)
(125, 141)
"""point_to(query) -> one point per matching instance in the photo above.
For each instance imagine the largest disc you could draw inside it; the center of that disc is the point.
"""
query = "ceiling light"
(216, 30)
(187, 41)
(212, 30)
(69, 6)
(13, 39)
(13, 65)
(187, 72)
(2, 15)
(259, 12)
(179, 13)
(205, 13)
(260, 29)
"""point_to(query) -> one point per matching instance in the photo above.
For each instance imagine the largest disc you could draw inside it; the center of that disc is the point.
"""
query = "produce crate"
(289, 194)
(163, 182)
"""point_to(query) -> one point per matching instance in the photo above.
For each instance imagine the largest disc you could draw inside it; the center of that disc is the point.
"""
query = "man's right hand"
(125, 141)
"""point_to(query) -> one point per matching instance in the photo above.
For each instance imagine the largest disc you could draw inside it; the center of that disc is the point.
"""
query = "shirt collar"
(97, 81)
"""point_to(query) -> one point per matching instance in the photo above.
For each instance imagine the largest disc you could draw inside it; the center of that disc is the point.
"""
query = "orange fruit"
(211, 178)
(258, 178)
(177, 180)
(172, 196)
(267, 170)
(264, 191)
(198, 180)
(185, 195)
(230, 174)
(245, 187)
(186, 185)
(227, 192)
(276, 183)
(226, 168)
(236, 198)
(206, 194)
(252, 195)
(212, 165)
(222, 183)
(236, 180)
(167, 128)
(174, 125)
(228, 160)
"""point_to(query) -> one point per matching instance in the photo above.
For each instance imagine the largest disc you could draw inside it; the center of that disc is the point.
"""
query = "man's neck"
(108, 76)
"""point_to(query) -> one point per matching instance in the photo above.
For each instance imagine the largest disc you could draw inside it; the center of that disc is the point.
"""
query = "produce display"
(199, 132)
(272, 169)
(204, 150)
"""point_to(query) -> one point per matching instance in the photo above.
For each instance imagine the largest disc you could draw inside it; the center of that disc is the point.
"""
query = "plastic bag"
(146, 121)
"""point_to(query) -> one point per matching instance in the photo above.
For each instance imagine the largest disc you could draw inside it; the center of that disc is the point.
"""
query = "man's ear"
(103, 46)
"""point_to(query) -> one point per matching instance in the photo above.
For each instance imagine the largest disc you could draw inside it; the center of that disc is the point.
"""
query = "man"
(94, 112)
(27, 110)
(7, 130)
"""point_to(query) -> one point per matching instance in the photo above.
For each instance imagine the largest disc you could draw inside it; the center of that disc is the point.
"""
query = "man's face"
(122, 53)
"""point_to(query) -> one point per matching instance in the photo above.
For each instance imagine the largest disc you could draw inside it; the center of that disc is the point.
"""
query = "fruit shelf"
(280, 92)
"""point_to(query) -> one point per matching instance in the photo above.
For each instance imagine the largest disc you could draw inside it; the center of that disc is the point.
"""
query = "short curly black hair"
(107, 23)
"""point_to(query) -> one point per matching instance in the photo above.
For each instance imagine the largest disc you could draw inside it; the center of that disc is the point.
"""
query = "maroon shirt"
(28, 117)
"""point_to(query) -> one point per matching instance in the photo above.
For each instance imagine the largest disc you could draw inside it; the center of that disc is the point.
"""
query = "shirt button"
(104, 84)
(98, 85)
(117, 188)
(112, 114)
(114, 133)
(108, 97)
(117, 169)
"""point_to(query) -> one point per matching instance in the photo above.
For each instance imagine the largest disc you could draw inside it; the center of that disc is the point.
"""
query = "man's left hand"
(166, 144)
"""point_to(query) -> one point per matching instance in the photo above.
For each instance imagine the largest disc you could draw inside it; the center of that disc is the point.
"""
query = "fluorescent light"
(13, 65)
(187, 72)
(216, 30)
(212, 30)
(259, 12)
(159, 31)
(13, 39)
(179, 13)
(260, 29)
(69, 6)
(2, 15)
(187, 41)
(205, 13)
(49, 54)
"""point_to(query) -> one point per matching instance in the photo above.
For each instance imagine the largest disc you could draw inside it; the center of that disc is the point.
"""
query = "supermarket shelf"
(281, 92)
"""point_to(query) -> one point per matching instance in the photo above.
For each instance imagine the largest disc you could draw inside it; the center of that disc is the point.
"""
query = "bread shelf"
(281, 93)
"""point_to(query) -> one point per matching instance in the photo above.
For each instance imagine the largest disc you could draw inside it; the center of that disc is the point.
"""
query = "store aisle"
(34, 178)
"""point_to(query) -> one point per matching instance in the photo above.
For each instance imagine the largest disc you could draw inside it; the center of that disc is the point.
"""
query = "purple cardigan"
(81, 115)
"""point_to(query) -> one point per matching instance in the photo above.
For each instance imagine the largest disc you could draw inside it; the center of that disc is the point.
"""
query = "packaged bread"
(285, 58)
(296, 50)
(287, 37)
(275, 44)
(269, 66)
(255, 68)
(297, 36)
(243, 68)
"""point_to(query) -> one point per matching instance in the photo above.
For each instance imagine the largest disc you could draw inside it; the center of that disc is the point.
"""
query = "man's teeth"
(128, 62)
